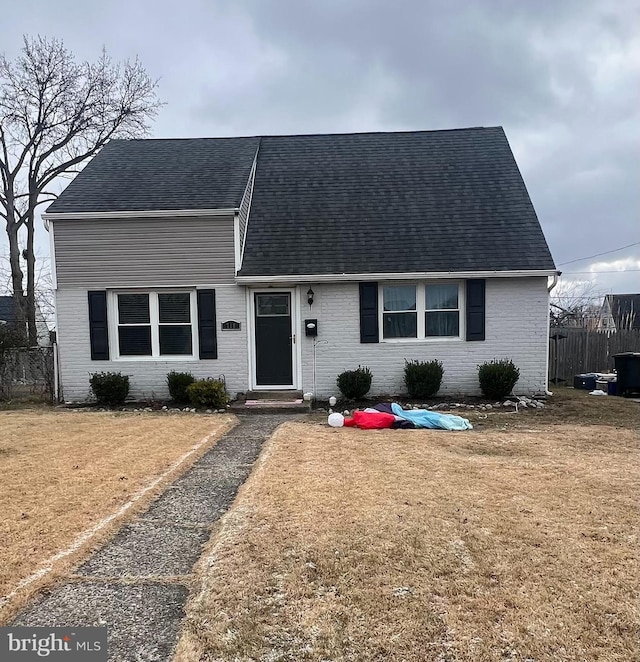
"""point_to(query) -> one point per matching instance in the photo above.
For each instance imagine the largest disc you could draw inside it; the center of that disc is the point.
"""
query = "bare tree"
(55, 114)
(575, 304)
(5, 276)
(43, 285)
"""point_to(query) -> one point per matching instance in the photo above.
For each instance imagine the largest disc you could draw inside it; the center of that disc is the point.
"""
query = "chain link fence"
(27, 373)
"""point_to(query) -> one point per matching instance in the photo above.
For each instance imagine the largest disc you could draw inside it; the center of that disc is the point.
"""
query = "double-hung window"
(175, 328)
(442, 310)
(421, 310)
(400, 317)
(134, 325)
(155, 324)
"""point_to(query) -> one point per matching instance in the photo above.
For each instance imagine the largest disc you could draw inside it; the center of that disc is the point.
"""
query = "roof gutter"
(146, 213)
(340, 278)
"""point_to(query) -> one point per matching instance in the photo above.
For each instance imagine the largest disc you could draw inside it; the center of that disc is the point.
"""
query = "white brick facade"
(517, 323)
(148, 378)
(516, 328)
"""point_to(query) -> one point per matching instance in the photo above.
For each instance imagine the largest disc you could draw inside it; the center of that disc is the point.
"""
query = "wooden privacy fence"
(576, 351)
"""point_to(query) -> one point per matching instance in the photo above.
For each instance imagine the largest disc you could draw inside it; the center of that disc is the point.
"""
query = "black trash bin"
(628, 369)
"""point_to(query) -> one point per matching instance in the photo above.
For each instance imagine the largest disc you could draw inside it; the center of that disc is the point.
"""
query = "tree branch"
(55, 114)
(26, 195)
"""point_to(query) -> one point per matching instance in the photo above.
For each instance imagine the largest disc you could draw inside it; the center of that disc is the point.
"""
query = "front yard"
(63, 472)
(515, 541)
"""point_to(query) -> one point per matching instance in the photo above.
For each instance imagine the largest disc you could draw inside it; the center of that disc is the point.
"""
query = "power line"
(614, 250)
(595, 273)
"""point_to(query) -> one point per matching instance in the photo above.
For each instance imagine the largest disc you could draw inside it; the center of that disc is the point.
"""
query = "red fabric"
(371, 421)
(349, 423)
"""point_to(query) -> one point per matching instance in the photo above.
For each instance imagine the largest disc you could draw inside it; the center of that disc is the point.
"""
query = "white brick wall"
(516, 327)
(148, 378)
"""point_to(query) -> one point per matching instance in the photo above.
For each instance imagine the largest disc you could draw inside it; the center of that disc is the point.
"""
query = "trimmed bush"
(178, 383)
(110, 388)
(355, 384)
(423, 378)
(208, 394)
(497, 378)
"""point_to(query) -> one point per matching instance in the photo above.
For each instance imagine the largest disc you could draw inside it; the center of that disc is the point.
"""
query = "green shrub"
(110, 388)
(208, 394)
(497, 378)
(355, 384)
(178, 383)
(423, 378)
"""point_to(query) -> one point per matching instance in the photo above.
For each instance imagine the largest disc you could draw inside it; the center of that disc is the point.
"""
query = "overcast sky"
(561, 76)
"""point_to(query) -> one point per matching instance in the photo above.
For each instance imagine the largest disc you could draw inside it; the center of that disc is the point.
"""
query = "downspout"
(550, 287)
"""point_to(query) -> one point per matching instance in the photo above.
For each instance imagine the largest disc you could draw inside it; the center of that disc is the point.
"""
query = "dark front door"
(274, 358)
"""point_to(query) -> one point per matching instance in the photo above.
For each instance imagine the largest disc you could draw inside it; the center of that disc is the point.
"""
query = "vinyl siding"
(245, 207)
(517, 323)
(144, 252)
(148, 378)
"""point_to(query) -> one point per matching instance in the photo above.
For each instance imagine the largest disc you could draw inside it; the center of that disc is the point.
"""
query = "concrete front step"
(270, 407)
(290, 395)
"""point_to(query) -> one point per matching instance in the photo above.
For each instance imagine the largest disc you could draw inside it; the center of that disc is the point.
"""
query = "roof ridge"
(313, 135)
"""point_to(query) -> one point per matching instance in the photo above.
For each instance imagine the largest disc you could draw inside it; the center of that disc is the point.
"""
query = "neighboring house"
(620, 311)
(214, 256)
(9, 316)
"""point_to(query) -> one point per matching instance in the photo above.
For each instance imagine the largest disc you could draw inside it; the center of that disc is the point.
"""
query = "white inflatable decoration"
(332, 401)
(336, 420)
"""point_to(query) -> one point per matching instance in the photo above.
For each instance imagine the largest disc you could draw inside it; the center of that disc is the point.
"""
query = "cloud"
(563, 78)
(619, 276)
(622, 265)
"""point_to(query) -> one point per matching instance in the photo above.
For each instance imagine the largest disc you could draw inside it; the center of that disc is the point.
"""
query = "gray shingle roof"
(134, 175)
(338, 203)
(391, 202)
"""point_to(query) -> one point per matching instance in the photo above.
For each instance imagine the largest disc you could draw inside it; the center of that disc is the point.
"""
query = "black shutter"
(475, 309)
(368, 312)
(207, 324)
(98, 329)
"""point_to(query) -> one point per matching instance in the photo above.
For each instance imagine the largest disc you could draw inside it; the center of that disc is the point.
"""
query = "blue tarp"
(423, 418)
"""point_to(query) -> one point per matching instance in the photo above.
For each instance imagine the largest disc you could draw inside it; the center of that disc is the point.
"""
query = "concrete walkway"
(136, 584)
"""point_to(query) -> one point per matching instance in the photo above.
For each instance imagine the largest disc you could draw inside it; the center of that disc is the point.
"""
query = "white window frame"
(426, 310)
(154, 316)
(421, 310)
(416, 312)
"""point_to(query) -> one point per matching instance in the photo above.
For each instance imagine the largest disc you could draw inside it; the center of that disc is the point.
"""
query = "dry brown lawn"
(62, 472)
(515, 541)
